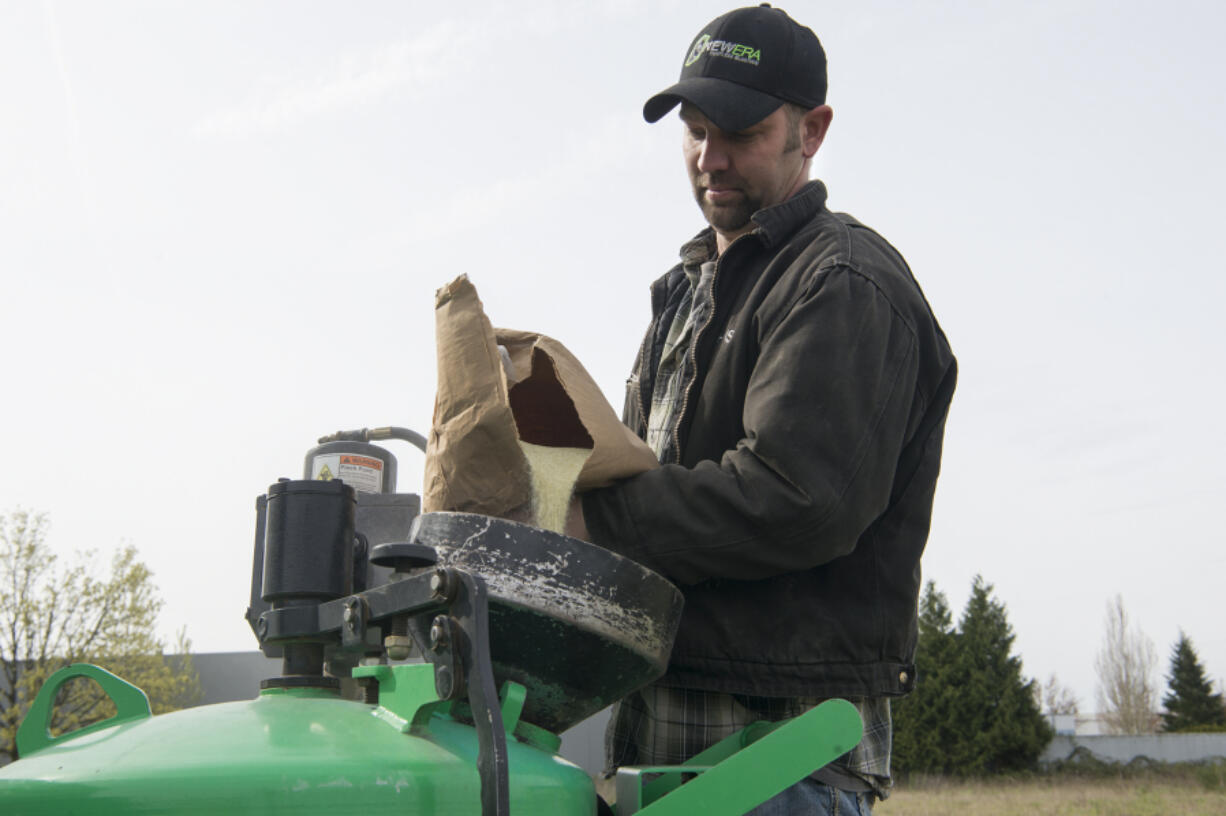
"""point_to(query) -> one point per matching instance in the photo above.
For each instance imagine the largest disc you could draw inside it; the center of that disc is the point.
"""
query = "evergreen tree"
(1191, 701)
(1002, 726)
(972, 712)
(922, 722)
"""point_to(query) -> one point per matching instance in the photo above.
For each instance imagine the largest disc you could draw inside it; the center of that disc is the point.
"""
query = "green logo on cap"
(722, 48)
(700, 45)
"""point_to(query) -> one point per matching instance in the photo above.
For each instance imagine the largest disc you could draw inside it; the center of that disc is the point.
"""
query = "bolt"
(398, 647)
(443, 682)
(438, 633)
(438, 582)
(370, 690)
(261, 628)
(353, 614)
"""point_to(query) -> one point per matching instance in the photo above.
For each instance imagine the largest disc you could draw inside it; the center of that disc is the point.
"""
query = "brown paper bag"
(486, 405)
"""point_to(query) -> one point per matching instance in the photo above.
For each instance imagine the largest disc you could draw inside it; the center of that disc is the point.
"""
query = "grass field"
(1177, 790)
(1193, 794)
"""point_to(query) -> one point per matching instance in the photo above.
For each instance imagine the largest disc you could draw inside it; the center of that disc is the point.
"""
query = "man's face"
(736, 174)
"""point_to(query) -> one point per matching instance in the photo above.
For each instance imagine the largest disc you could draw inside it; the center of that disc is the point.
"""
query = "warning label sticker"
(364, 473)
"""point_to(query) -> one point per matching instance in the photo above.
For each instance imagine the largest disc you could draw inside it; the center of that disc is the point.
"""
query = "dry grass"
(1190, 796)
(1186, 790)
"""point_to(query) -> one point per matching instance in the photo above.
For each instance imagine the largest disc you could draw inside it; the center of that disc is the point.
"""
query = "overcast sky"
(222, 225)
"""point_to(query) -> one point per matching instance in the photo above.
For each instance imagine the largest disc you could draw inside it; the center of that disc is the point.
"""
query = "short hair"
(794, 114)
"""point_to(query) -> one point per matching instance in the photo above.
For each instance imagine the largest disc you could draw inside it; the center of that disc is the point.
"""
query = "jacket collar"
(777, 223)
(773, 226)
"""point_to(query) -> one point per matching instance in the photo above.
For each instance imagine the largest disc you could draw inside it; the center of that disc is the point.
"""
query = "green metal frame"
(740, 772)
(34, 733)
(407, 702)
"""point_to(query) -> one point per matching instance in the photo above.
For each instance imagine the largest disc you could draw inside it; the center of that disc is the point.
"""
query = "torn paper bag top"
(489, 401)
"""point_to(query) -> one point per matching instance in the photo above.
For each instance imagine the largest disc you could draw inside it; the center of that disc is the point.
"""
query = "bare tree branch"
(1056, 698)
(1127, 694)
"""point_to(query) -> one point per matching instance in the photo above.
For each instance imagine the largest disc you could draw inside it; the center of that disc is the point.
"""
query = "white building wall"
(1123, 749)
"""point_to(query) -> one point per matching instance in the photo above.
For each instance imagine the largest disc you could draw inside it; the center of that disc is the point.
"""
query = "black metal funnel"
(577, 625)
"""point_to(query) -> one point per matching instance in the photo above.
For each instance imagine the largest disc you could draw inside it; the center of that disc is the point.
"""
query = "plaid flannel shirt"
(659, 725)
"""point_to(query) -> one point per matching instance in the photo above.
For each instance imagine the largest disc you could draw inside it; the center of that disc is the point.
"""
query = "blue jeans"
(808, 796)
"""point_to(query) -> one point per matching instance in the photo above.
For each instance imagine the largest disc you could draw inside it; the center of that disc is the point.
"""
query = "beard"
(727, 216)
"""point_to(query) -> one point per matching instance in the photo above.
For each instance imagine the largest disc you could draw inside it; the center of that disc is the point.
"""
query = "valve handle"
(403, 555)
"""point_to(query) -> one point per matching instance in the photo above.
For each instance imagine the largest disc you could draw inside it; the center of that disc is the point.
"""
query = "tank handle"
(34, 733)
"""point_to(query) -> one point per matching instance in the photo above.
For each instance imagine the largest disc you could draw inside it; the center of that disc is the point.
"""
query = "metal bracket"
(744, 770)
(446, 642)
(353, 632)
(470, 609)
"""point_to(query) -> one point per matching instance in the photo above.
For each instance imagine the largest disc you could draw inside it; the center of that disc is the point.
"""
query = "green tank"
(289, 751)
(307, 751)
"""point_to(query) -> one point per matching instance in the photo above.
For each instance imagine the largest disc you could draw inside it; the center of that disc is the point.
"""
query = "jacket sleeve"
(825, 417)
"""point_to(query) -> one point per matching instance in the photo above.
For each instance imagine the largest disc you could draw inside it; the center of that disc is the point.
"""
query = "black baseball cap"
(743, 65)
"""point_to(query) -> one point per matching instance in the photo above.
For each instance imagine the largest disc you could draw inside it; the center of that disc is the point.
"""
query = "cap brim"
(730, 106)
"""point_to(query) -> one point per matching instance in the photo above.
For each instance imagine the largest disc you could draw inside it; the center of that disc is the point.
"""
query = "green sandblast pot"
(300, 752)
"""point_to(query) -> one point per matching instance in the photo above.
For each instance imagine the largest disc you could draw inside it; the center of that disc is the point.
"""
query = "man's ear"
(814, 126)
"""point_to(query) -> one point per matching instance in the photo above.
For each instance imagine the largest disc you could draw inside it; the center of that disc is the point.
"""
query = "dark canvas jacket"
(809, 445)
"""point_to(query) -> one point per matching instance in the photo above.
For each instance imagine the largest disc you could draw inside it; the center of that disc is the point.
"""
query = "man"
(794, 383)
